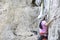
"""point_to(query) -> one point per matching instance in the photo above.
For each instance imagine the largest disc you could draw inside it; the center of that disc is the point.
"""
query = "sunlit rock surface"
(16, 17)
(54, 29)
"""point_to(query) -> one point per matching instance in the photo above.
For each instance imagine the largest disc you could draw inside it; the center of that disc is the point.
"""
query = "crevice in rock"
(58, 35)
(35, 32)
(33, 3)
(14, 33)
(14, 29)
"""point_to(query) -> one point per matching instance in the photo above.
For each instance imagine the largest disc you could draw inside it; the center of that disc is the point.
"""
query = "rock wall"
(54, 29)
(16, 17)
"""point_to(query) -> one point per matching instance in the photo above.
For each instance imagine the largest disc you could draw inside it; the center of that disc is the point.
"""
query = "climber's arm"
(47, 24)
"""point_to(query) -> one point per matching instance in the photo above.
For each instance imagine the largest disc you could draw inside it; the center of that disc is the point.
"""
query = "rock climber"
(43, 28)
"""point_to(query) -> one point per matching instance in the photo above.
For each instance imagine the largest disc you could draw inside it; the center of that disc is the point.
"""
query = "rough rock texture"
(16, 17)
(54, 29)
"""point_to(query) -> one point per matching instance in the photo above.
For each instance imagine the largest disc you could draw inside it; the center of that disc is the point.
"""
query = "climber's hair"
(40, 26)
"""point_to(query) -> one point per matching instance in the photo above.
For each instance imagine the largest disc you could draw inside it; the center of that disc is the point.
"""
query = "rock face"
(53, 9)
(16, 17)
(54, 30)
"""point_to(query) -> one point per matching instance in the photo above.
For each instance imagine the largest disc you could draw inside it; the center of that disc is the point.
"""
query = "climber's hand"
(52, 19)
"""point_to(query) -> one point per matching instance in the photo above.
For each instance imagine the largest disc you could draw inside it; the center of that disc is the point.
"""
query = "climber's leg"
(41, 37)
(45, 38)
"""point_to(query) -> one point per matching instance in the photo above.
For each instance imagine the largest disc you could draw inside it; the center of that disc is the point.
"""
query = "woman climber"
(43, 28)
